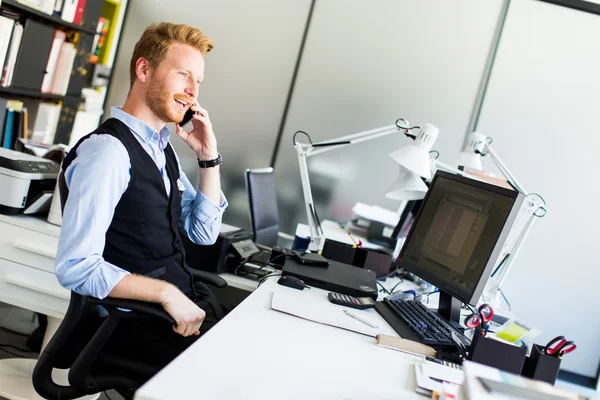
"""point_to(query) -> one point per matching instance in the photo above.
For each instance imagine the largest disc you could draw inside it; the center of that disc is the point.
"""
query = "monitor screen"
(458, 234)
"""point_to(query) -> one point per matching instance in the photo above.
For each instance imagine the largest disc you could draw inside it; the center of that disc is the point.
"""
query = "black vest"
(143, 237)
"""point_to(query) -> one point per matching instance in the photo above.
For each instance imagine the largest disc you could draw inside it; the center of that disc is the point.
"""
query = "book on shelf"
(6, 29)
(11, 58)
(59, 39)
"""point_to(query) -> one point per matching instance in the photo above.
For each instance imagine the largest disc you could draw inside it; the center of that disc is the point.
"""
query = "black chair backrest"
(63, 190)
(262, 198)
(59, 351)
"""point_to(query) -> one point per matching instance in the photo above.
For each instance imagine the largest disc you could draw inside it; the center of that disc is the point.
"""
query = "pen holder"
(497, 354)
(541, 366)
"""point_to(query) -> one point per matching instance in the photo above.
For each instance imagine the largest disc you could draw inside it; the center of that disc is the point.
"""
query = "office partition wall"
(541, 108)
(246, 78)
(364, 65)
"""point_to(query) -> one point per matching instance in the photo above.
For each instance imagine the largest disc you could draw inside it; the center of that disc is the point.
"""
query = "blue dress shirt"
(97, 178)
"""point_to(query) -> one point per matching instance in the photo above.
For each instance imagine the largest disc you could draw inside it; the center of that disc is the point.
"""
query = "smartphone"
(311, 259)
(187, 117)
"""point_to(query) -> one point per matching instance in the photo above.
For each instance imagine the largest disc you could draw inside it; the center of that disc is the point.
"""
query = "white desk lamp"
(479, 146)
(412, 185)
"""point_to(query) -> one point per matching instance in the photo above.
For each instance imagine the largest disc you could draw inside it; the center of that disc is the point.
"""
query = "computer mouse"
(292, 281)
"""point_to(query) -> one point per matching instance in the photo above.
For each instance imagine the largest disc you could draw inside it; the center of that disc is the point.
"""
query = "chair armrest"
(143, 307)
(208, 277)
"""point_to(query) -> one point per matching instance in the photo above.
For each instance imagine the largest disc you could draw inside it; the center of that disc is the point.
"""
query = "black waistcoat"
(143, 237)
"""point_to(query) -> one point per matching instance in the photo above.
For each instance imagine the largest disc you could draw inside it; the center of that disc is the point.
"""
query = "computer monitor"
(457, 237)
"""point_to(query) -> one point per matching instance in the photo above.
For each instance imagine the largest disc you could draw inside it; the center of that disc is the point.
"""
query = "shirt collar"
(139, 128)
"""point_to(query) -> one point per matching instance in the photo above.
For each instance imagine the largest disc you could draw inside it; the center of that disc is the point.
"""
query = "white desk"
(258, 353)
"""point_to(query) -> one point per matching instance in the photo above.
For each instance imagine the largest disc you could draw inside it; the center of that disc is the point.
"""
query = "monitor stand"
(449, 309)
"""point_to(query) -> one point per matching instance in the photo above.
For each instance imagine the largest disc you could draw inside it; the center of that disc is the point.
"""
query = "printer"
(26, 182)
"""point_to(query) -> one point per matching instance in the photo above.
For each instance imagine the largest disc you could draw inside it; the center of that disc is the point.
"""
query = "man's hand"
(201, 139)
(188, 315)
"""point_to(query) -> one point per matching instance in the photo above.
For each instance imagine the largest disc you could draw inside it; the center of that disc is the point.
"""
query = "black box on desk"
(337, 277)
(218, 257)
(497, 354)
(375, 260)
(541, 366)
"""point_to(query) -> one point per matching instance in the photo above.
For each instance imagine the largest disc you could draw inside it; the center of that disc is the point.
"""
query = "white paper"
(322, 311)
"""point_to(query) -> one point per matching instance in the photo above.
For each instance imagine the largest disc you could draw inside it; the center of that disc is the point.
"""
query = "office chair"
(262, 199)
(64, 349)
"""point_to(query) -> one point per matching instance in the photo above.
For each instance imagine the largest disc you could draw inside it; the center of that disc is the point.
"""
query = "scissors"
(559, 346)
(480, 320)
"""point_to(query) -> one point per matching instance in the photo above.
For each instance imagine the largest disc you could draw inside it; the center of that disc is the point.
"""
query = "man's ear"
(143, 69)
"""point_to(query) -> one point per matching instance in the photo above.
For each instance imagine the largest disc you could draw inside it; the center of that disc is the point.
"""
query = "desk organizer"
(541, 366)
(497, 354)
(377, 261)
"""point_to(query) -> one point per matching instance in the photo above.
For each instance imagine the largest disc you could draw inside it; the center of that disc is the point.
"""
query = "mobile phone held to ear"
(187, 117)
(311, 259)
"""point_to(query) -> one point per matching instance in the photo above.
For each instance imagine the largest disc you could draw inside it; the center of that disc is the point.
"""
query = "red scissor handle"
(486, 312)
(566, 348)
(555, 345)
(472, 321)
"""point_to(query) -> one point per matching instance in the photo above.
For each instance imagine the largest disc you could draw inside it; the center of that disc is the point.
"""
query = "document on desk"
(321, 311)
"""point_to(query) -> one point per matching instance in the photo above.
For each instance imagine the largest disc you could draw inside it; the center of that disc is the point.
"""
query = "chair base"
(15, 380)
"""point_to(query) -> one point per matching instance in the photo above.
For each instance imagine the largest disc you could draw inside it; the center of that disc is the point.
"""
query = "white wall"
(541, 109)
(246, 82)
(365, 65)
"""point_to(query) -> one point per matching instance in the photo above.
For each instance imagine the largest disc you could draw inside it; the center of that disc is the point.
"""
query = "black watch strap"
(210, 163)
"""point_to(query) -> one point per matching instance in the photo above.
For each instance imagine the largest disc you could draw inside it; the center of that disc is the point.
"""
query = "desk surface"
(258, 353)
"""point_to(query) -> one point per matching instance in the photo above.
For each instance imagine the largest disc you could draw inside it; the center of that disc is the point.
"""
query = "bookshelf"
(31, 94)
(32, 12)
(81, 105)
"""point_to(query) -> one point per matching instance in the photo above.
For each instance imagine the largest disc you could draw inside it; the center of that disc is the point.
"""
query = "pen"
(348, 313)
(356, 244)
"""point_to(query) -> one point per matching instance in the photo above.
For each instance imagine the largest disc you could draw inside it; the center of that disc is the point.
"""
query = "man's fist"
(188, 315)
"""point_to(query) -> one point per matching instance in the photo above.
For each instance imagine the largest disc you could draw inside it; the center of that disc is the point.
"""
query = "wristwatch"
(210, 163)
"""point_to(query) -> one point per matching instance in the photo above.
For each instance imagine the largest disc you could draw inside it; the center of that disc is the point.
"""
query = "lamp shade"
(470, 156)
(407, 186)
(415, 156)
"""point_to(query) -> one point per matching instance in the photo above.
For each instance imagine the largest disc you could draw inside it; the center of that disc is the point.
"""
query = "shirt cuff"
(104, 278)
(205, 210)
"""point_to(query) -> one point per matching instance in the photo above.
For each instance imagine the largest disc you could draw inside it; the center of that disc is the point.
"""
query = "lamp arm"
(319, 148)
(305, 150)
(316, 231)
(507, 174)
(516, 248)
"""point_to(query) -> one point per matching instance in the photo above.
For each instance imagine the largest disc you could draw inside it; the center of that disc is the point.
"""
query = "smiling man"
(129, 198)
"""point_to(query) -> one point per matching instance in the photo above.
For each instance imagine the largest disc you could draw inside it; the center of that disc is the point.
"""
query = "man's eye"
(184, 74)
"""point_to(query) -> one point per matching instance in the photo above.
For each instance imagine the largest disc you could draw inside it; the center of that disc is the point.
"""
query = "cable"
(383, 289)
(535, 214)
(505, 299)
(429, 294)
(106, 394)
(435, 151)
(268, 276)
(294, 137)
(403, 127)
(235, 271)
(396, 285)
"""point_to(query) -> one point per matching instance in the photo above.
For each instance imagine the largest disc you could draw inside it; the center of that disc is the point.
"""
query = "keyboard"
(413, 321)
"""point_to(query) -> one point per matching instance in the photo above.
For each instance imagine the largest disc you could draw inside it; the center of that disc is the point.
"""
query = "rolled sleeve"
(202, 222)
